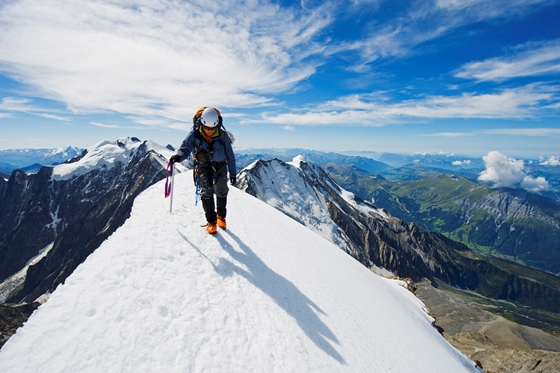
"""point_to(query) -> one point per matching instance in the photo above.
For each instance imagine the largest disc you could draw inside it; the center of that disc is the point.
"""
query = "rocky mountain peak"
(73, 207)
(306, 193)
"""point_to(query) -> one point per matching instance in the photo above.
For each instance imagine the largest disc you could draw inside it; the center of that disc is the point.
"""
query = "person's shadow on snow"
(282, 291)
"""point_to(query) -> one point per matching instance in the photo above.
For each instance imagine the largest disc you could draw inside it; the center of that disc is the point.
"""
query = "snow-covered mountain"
(11, 159)
(306, 193)
(247, 156)
(266, 295)
(52, 220)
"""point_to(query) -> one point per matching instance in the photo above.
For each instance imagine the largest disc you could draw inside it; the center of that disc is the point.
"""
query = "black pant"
(212, 179)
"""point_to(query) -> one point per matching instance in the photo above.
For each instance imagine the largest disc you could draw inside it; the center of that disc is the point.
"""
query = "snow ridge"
(266, 295)
(306, 193)
(103, 155)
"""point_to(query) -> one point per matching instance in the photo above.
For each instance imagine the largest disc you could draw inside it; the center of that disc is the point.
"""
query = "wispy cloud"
(450, 134)
(55, 117)
(130, 127)
(374, 110)
(531, 59)
(425, 21)
(534, 132)
(11, 104)
(537, 132)
(158, 61)
(103, 125)
(160, 122)
(158, 58)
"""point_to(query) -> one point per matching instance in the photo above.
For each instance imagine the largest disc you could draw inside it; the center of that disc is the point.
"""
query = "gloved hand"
(232, 179)
(174, 158)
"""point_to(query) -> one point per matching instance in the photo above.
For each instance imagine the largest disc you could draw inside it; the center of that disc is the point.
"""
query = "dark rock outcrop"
(12, 316)
(73, 214)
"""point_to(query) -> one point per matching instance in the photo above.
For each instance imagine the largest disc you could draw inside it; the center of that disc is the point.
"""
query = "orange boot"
(211, 228)
(222, 222)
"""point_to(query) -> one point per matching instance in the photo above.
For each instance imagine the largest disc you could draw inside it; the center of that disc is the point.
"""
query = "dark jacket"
(218, 149)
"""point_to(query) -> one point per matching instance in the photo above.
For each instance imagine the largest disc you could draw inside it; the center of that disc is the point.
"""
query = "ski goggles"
(209, 128)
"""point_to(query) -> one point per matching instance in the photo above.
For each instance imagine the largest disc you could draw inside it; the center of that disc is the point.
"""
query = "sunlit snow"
(104, 155)
(266, 295)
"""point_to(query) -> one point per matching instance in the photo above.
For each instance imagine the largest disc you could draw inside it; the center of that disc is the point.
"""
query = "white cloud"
(427, 20)
(551, 161)
(535, 185)
(486, 9)
(466, 162)
(157, 58)
(532, 59)
(450, 134)
(148, 122)
(103, 125)
(509, 103)
(375, 110)
(538, 132)
(162, 59)
(509, 172)
(16, 104)
(25, 105)
(55, 117)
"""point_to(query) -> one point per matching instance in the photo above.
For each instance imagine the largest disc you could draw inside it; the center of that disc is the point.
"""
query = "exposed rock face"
(512, 223)
(12, 316)
(514, 226)
(307, 193)
(74, 213)
(506, 206)
(24, 219)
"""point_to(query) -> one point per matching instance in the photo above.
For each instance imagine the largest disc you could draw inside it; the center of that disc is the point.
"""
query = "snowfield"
(266, 295)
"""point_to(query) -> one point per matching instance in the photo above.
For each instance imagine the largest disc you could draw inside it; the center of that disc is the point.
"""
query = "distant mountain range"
(393, 160)
(445, 161)
(394, 166)
(51, 220)
(505, 222)
(31, 160)
(246, 157)
(510, 223)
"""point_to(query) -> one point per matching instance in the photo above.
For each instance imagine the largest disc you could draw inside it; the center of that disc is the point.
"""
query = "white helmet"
(209, 117)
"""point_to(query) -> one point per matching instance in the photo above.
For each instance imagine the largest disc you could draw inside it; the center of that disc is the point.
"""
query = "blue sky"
(455, 76)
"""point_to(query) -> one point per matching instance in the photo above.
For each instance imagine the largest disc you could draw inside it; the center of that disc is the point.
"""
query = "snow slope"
(267, 295)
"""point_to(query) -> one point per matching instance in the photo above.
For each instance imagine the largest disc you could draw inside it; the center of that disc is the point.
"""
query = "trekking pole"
(169, 185)
(172, 187)
(196, 192)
